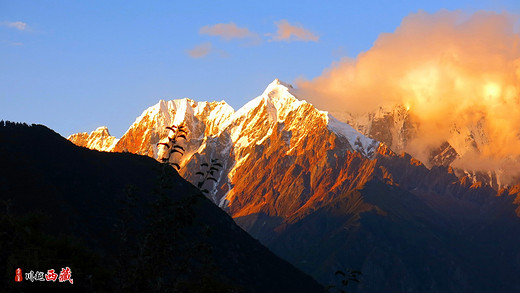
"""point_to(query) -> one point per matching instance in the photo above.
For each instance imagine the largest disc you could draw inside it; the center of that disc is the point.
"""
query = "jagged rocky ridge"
(324, 196)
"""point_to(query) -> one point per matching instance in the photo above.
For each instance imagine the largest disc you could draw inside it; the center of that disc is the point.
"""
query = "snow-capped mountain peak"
(276, 124)
(282, 96)
(99, 139)
(279, 89)
(279, 99)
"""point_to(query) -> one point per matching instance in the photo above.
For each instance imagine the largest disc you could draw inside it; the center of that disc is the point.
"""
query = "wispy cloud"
(229, 31)
(19, 25)
(10, 43)
(200, 51)
(288, 33)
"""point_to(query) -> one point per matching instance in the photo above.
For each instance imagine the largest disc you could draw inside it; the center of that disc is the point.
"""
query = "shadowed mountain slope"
(406, 227)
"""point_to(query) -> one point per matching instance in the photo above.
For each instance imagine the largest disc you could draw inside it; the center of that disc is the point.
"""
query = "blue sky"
(74, 66)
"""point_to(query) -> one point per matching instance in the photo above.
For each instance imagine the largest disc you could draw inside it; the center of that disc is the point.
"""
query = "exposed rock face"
(99, 139)
(443, 156)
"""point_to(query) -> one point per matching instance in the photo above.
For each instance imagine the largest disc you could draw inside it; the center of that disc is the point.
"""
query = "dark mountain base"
(405, 227)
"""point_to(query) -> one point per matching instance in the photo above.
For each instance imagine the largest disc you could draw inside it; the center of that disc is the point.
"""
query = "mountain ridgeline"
(325, 197)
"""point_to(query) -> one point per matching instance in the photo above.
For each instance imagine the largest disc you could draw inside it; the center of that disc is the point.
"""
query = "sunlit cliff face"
(455, 73)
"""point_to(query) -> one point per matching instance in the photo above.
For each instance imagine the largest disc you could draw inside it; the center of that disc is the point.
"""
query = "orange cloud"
(200, 51)
(287, 32)
(229, 31)
(452, 70)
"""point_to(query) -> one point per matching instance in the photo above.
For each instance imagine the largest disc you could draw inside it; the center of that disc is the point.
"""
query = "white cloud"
(21, 26)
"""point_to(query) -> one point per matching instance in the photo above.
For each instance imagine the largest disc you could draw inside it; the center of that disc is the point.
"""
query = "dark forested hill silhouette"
(121, 222)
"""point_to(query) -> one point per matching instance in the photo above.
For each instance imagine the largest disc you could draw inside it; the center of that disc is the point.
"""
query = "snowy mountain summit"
(99, 139)
(279, 102)
(276, 125)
